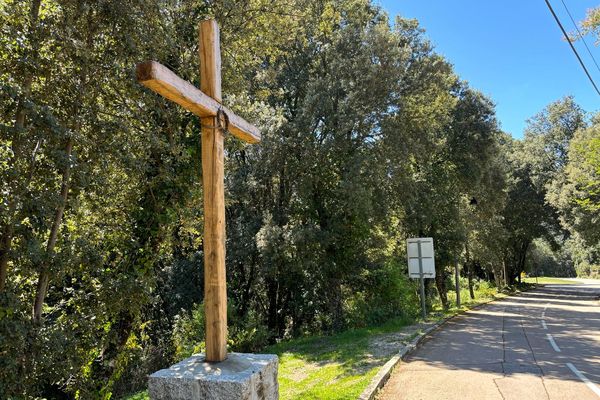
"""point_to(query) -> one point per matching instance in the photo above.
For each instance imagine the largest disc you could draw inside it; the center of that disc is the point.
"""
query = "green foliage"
(188, 332)
(340, 366)
(535, 165)
(251, 337)
(369, 137)
(591, 24)
(396, 297)
(544, 261)
(576, 193)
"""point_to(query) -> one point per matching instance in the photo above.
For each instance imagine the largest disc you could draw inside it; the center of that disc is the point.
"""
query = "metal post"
(457, 281)
(422, 281)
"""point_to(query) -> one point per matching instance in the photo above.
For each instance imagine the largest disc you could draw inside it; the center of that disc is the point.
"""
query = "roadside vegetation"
(340, 366)
(369, 137)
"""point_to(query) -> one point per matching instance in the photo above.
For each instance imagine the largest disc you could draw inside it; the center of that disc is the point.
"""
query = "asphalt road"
(543, 344)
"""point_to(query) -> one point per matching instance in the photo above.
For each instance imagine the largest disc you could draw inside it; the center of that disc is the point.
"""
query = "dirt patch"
(388, 344)
(303, 371)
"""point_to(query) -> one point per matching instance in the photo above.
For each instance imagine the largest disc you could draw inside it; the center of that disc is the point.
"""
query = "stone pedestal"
(241, 376)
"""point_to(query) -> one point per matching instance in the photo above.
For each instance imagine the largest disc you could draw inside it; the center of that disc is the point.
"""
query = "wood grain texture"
(206, 103)
(210, 58)
(215, 290)
(165, 82)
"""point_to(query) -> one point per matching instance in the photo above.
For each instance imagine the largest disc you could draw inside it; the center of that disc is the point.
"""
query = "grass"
(328, 367)
(335, 367)
(542, 280)
(341, 366)
(331, 367)
(483, 293)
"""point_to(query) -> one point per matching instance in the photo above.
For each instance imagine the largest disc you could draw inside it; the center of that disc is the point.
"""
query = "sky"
(511, 50)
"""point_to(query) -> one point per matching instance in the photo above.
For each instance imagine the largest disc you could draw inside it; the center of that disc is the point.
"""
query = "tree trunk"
(104, 366)
(247, 292)
(505, 269)
(469, 265)
(470, 276)
(336, 308)
(281, 317)
(441, 287)
(497, 270)
(5, 244)
(273, 306)
(44, 277)
(522, 259)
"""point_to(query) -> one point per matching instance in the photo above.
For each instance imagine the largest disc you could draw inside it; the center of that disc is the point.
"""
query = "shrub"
(188, 332)
(390, 294)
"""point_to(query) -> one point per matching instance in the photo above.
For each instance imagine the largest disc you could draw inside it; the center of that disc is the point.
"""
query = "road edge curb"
(385, 372)
(381, 378)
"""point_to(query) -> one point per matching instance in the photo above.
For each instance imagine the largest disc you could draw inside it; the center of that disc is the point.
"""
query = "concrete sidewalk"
(530, 346)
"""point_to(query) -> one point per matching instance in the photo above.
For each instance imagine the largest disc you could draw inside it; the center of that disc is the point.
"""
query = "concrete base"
(241, 376)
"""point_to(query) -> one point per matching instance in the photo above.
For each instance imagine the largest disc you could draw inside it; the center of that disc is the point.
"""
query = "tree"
(591, 23)
(534, 164)
(576, 193)
(547, 138)
(369, 137)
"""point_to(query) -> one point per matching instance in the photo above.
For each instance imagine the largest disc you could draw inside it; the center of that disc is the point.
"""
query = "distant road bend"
(543, 344)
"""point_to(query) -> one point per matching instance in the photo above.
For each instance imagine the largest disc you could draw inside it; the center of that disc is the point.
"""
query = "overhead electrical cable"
(572, 47)
(581, 35)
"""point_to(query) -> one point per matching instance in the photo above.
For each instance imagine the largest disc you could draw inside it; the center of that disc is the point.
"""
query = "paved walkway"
(544, 344)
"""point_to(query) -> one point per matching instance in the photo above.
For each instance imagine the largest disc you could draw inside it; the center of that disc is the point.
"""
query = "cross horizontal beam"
(165, 82)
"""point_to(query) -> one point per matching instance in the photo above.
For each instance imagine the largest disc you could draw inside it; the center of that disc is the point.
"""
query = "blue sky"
(510, 50)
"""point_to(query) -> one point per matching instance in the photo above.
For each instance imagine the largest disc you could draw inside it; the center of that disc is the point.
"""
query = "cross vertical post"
(215, 290)
(216, 118)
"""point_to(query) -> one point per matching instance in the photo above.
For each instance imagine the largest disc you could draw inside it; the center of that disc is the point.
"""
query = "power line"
(580, 35)
(572, 47)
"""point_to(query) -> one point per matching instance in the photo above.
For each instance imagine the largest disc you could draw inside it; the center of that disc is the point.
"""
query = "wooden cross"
(206, 103)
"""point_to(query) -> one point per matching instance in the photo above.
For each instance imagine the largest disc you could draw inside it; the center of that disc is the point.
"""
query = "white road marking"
(585, 380)
(552, 342)
(544, 324)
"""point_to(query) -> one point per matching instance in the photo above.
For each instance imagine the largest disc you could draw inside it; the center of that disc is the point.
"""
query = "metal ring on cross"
(222, 120)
